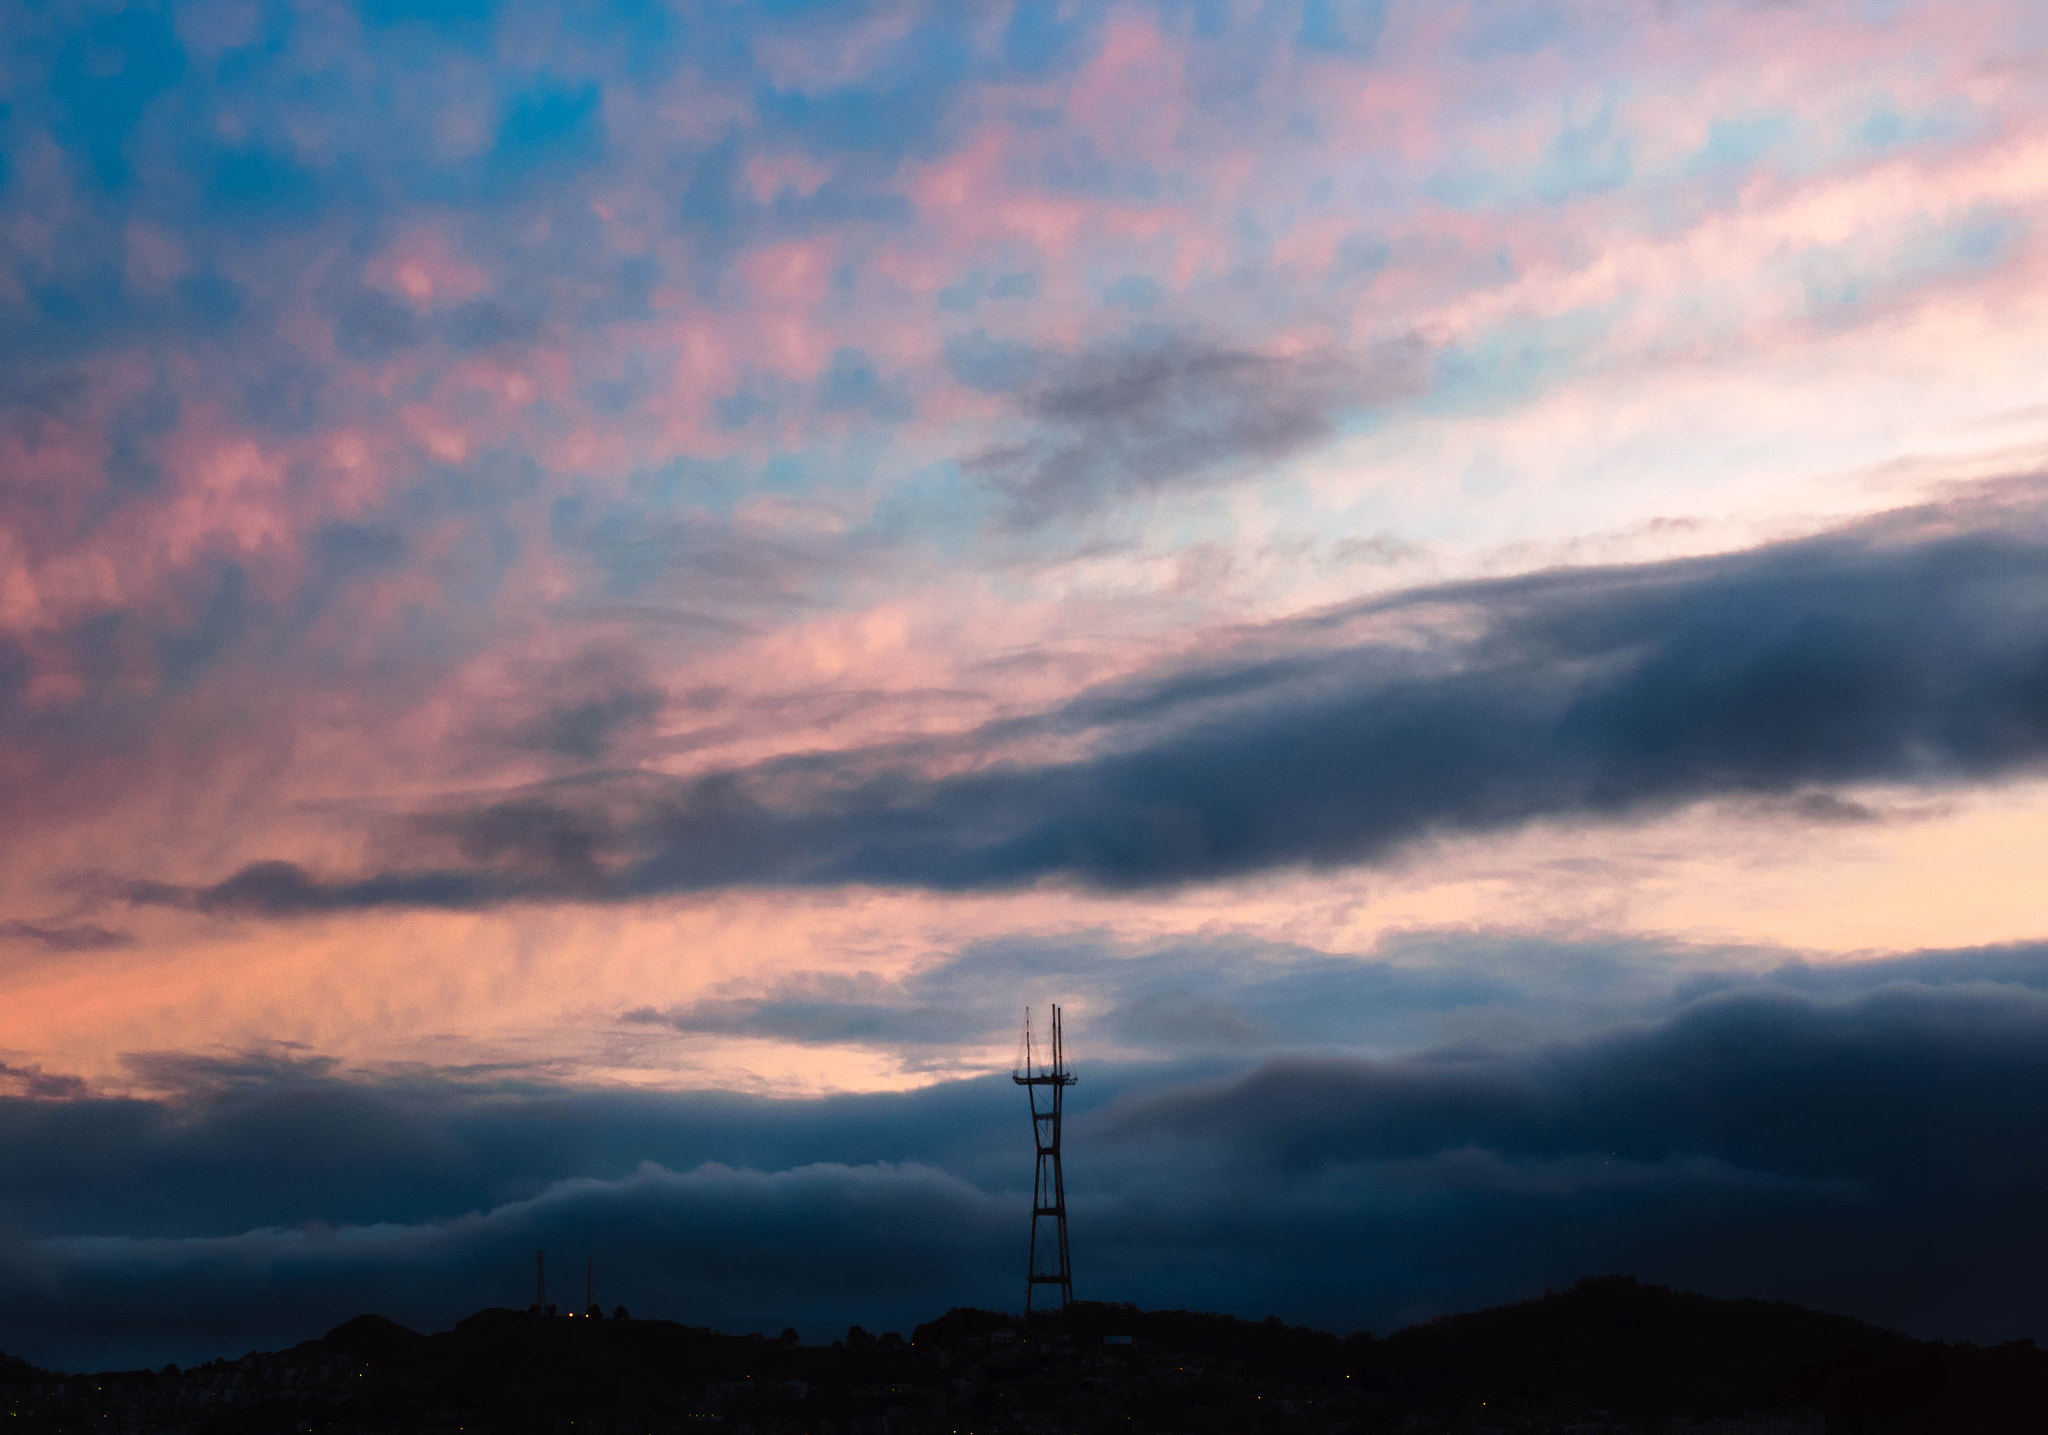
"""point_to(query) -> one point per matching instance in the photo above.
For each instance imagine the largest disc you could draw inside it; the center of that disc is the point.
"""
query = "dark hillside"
(1636, 1348)
(1608, 1353)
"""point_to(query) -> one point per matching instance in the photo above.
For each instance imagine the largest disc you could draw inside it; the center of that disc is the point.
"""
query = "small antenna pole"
(540, 1283)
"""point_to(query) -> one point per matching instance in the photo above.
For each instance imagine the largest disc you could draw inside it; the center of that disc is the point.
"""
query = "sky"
(594, 598)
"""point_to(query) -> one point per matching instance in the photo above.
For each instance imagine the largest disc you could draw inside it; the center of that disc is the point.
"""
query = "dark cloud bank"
(1907, 650)
(1862, 1138)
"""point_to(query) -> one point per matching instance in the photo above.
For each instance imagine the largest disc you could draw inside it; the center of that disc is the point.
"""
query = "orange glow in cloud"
(549, 989)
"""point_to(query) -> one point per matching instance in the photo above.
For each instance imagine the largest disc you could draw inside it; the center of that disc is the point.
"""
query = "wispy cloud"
(1174, 413)
(65, 936)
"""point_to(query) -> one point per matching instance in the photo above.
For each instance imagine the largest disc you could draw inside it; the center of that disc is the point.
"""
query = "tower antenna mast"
(1048, 1264)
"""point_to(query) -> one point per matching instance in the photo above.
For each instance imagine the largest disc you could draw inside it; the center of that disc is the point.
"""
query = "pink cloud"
(950, 630)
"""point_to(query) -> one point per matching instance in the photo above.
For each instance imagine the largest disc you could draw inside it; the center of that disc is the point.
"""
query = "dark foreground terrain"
(1607, 1354)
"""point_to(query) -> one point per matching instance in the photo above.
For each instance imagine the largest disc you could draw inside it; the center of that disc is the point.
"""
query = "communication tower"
(1048, 1264)
(540, 1283)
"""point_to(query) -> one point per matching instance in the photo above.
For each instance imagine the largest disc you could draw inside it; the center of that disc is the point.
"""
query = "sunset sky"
(594, 598)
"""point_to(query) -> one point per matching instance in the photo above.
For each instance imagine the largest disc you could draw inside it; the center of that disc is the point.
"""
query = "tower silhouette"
(1048, 1264)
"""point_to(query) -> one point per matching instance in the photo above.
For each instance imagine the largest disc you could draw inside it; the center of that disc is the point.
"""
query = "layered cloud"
(1907, 651)
(323, 416)
(1764, 1134)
